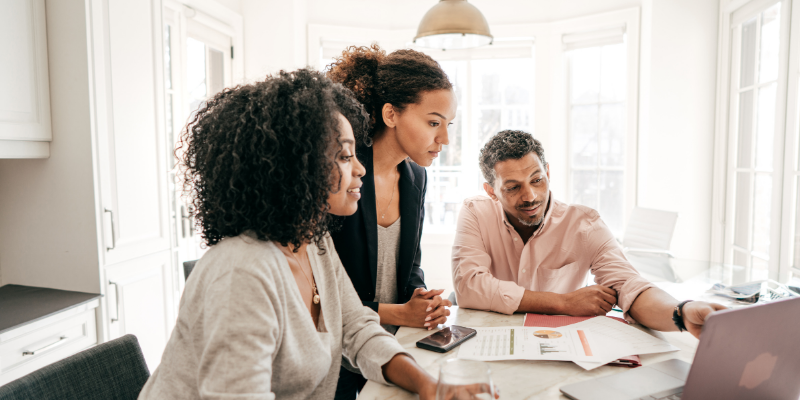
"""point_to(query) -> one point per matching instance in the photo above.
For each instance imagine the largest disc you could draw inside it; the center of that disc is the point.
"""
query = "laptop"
(744, 353)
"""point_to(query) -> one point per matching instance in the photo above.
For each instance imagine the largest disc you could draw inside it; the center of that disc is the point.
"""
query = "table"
(541, 379)
(516, 379)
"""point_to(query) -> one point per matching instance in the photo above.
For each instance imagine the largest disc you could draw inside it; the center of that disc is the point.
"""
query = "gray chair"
(452, 298)
(114, 370)
(188, 266)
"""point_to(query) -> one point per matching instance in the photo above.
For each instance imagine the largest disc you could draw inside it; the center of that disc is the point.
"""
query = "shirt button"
(523, 270)
(515, 239)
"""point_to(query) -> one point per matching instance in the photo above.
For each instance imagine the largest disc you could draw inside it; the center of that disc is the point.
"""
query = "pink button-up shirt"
(492, 267)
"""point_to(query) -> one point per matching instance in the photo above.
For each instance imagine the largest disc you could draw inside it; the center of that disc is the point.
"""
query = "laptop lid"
(748, 353)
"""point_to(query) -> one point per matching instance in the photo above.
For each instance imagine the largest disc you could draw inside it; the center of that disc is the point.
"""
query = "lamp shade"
(453, 24)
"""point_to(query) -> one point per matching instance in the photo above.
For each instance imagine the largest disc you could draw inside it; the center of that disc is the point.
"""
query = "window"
(197, 65)
(493, 95)
(792, 180)
(753, 132)
(597, 131)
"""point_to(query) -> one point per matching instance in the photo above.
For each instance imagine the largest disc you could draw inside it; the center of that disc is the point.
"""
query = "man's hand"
(695, 314)
(592, 300)
(426, 309)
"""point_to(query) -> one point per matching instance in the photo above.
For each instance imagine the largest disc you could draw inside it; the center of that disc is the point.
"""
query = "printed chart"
(524, 343)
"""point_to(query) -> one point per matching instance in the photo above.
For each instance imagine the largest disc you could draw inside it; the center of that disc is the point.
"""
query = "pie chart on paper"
(546, 334)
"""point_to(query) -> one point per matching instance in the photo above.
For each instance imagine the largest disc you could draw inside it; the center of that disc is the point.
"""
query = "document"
(557, 321)
(531, 343)
(617, 340)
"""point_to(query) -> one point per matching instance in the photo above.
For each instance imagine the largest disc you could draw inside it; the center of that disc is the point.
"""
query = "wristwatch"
(677, 315)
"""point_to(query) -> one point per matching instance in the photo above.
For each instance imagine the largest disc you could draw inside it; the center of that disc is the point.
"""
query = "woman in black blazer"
(411, 103)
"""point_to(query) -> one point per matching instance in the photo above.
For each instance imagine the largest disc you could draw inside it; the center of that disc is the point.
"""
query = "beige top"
(492, 267)
(388, 253)
(244, 332)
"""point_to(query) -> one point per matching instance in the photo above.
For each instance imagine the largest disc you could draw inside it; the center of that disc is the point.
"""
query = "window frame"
(732, 14)
(591, 31)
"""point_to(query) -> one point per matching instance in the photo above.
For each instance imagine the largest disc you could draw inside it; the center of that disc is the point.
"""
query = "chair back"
(114, 370)
(188, 266)
(649, 229)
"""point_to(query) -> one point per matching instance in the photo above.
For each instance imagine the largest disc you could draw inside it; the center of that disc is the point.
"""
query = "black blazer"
(357, 240)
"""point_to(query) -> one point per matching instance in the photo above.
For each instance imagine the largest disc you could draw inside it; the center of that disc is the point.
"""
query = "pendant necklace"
(391, 198)
(315, 299)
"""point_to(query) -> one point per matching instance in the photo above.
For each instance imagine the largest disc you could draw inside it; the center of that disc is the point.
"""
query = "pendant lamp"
(453, 24)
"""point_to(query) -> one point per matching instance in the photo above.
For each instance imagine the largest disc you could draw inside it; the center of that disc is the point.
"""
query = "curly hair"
(376, 78)
(260, 157)
(507, 145)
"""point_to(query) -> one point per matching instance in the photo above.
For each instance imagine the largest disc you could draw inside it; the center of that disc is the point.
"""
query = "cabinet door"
(24, 100)
(130, 120)
(138, 301)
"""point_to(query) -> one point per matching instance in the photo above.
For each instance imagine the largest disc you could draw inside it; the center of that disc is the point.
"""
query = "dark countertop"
(22, 305)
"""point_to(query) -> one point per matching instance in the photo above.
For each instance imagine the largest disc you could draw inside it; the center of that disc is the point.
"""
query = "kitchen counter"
(22, 305)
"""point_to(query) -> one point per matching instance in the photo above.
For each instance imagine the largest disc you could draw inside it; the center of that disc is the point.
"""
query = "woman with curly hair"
(269, 312)
(411, 102)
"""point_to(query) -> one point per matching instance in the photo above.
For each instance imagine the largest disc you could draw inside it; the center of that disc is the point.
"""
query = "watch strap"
(677, 315)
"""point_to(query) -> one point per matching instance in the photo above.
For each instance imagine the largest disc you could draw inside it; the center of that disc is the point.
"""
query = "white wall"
(274, 36)
(41, 197)
(677, 113)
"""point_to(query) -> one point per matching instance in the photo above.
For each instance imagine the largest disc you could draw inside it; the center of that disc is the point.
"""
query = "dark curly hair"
(507, 145)
(377, 78)
(260, 157)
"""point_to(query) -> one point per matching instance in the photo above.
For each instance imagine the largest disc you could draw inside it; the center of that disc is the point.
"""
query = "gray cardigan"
(244, 332)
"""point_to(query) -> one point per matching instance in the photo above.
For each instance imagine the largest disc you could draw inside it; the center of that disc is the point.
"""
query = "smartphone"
(447, 339)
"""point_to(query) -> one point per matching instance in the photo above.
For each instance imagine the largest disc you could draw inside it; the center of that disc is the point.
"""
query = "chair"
(452, 298)
(112, 370)
(188, 266)
(649, 232)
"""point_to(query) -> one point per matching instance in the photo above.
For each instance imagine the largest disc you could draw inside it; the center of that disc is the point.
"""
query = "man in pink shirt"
(521, 250)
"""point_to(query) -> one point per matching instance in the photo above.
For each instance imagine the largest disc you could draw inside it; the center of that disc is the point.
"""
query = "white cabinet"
(93, 217)
(137, 305)
(130, 109)
(24, 98)
(126, 44)
(30, 347)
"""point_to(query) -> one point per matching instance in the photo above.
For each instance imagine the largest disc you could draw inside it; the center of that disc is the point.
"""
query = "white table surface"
(517, 379)
(542, 379)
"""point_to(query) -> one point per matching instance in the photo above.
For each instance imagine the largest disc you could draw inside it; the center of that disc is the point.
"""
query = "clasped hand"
(426, 309)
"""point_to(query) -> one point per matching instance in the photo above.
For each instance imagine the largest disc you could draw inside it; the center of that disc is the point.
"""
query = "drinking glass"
(465, 379)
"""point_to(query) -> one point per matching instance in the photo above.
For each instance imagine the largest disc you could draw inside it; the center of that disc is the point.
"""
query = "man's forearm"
(541, 303)
(653, 309)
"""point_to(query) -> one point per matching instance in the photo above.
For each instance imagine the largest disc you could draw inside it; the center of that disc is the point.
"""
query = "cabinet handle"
(57, 343)
(116, 304)
(113, 234)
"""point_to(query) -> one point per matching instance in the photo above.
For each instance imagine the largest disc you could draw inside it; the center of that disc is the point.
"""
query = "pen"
(615, 308)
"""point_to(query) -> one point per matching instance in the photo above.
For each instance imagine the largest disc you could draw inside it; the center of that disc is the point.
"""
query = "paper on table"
(557, 321)
(530, 343)
(619, 340)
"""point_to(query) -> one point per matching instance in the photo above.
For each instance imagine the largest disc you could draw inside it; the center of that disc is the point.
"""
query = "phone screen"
(447, 336)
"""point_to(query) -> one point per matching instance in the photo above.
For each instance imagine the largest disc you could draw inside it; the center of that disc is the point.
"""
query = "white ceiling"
(395, 14)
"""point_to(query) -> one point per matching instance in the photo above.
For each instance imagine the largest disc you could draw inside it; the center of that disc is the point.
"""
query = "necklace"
(315, 299)
(391, 198)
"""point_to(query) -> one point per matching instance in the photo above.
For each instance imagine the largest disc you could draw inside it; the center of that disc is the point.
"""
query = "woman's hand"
(426, 309)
